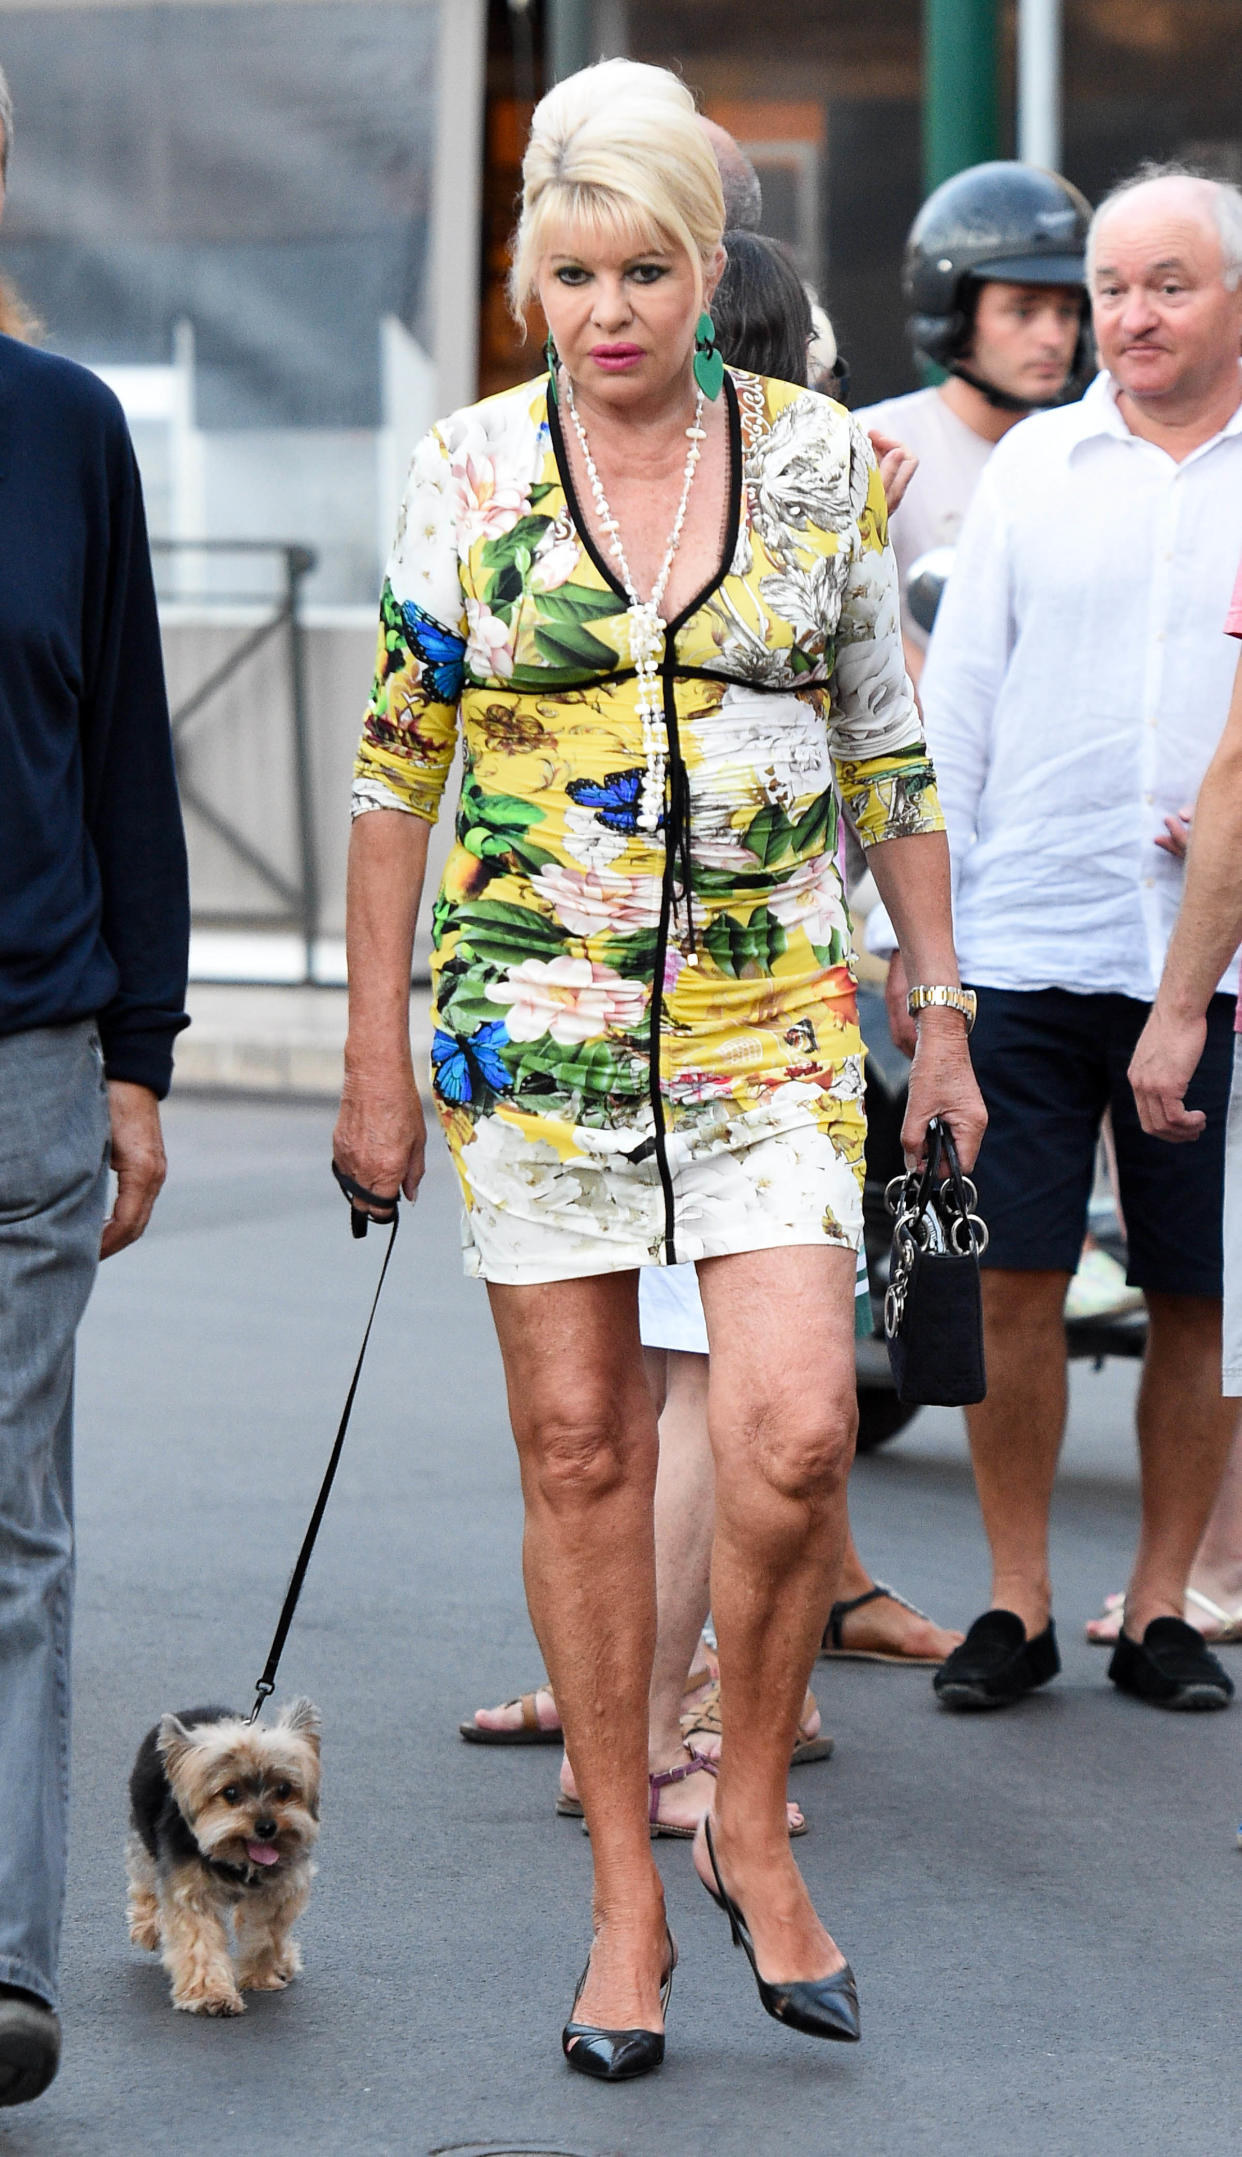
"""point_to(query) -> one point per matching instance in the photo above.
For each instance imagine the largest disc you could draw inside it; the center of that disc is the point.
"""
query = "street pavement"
(1042, 1907)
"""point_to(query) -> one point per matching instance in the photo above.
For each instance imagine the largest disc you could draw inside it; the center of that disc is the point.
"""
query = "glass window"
(226, 211)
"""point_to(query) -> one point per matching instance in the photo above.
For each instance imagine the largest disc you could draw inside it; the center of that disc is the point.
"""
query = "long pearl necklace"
(646, 628)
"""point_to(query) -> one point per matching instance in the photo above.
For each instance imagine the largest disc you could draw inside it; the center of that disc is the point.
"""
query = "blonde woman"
(659, 596)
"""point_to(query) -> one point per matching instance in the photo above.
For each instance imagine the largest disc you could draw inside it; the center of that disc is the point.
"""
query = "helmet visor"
(1031, 270)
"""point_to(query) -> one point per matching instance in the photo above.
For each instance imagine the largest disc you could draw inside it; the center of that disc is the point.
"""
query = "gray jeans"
(53, 1186)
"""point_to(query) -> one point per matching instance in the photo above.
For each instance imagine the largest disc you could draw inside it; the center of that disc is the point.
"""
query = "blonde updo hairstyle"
(616, 149)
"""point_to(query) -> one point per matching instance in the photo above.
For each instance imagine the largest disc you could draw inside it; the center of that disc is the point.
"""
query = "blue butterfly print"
(614, 799)
(441, 655)
(464, 1067)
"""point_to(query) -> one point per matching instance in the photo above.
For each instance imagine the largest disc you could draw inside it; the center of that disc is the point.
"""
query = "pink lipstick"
(616, 359)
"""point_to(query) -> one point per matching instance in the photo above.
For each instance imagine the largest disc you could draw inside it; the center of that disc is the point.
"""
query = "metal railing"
(298, 897)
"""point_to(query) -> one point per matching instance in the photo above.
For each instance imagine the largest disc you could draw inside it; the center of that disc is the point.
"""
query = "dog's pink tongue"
(263, 1853)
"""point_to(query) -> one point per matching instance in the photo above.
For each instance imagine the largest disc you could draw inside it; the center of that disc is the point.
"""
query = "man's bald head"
(1164, 267)
(743, 196)
(1169, 201)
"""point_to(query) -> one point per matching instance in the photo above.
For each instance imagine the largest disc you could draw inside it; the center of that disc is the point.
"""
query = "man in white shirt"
(994, 279)
(1075, 689)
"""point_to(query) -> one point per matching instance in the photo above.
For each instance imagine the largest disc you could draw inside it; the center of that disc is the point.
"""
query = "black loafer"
(996, 1663)
(1172, 1667)
(29, 2046)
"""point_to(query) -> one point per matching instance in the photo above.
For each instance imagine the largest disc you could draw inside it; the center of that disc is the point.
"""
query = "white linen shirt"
(1076, 686)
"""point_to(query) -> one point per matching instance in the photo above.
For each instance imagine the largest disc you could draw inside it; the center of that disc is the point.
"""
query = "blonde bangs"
(576, 216)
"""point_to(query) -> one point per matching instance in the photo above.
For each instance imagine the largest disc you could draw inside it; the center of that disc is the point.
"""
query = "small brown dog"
(224, 1816)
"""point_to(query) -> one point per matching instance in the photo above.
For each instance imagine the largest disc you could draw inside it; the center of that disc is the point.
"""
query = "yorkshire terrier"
(224, 1816)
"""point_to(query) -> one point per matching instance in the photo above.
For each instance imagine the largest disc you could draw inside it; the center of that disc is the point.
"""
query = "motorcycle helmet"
(1004, 221)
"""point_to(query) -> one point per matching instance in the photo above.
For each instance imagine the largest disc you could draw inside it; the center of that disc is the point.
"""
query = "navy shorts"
(1049, 1063)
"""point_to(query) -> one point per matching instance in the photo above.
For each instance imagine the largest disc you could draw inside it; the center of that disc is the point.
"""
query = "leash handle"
(359, 1198)
(266, 1685)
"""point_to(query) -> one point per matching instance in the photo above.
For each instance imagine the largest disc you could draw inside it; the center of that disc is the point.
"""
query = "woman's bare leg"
(685, 1505)
(783, 1418)
(585, 1426)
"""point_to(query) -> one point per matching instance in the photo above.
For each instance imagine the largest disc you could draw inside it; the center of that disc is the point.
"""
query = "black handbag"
(933, 1309)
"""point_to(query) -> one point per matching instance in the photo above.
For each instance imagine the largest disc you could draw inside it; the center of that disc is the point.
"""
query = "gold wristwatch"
(926, 999)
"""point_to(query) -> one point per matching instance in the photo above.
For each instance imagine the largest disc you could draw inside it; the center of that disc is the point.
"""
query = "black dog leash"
(358, 1221)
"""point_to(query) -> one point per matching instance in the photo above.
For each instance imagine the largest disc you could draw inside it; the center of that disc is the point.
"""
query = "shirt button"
(1149, 881)
(1149, 797)
(1152, 719)
(1160, 636)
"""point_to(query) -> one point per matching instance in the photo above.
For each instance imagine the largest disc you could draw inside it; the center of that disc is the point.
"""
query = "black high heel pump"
(616, 2055)
(820, 2006)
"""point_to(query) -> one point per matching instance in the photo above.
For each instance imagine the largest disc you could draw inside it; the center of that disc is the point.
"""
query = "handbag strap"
(941, 1188)
(266, 1685)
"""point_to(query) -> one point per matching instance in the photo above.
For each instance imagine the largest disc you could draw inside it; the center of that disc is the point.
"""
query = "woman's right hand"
(381, 1134)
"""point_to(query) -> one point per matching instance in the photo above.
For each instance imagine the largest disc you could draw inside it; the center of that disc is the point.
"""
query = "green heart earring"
(708, 365)
(553, 358)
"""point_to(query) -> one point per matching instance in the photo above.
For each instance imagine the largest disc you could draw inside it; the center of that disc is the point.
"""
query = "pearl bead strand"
(646, 628)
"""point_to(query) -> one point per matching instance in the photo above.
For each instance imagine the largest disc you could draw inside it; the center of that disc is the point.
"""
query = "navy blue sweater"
(94, 904)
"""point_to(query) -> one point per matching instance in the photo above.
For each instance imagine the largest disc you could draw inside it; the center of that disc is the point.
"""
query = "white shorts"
(670, 1308)
(1231, 1382)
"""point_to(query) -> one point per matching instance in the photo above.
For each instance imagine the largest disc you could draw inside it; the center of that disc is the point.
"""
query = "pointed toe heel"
(612, 2055)
(828, 2007)
(818, 2006)
(616, 2055)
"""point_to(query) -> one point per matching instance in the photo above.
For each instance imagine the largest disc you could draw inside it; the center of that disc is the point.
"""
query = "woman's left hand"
(942, 1083)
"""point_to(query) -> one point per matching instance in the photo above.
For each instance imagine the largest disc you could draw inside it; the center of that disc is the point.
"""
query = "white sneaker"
(1099, 1289)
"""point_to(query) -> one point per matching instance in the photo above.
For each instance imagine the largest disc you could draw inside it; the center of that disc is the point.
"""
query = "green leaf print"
(525, 535)
(590, 1067)
(502, 815)
(508, 934)
(571, 647)
(506, 588)
(770, 835)
(815, 832)
(578, 603)
(552, 677)
(463, 1009)
(746, 948)
(634, 956)
(832, 954)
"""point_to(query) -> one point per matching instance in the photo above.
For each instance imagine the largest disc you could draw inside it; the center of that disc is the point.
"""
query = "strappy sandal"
(529, 1732)
(570, 1808)
(703, 1721)
(832, 1648)
(1223, 1627)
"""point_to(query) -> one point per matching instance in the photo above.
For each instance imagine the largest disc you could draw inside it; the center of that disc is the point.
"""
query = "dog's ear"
(301, 1716)
(173, 1742)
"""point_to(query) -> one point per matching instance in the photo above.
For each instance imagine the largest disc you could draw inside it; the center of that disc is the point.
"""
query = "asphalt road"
(1042, 1907)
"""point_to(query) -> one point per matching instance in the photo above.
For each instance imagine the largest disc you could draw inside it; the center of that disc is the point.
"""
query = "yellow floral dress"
(646, 1047)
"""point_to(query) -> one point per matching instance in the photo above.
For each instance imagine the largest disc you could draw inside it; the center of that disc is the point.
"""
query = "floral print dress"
(646, 1047)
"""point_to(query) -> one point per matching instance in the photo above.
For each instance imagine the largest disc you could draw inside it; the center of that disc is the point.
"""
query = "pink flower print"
(570, 999)
(489, 647)
(489, 502)
(673, 963)
(811, 899)
(594, 901)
